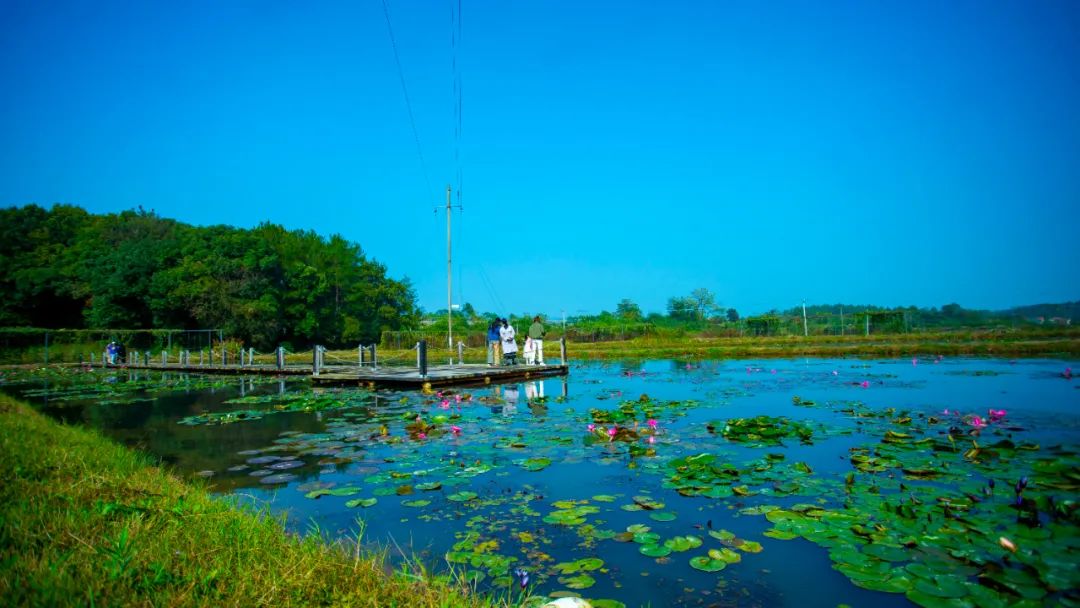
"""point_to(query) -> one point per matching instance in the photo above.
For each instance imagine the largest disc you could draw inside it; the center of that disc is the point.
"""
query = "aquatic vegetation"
(891, 495)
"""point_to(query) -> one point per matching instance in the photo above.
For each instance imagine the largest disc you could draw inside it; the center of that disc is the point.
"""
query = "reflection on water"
(524, 447)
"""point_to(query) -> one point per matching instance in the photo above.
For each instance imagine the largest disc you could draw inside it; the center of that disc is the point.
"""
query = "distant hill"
(1065, 310)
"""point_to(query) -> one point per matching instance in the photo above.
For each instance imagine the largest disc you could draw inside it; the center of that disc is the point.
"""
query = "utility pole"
(805, 328)
(449, 292)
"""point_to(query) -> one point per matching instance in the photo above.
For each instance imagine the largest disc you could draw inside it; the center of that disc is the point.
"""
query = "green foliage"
(66, 268)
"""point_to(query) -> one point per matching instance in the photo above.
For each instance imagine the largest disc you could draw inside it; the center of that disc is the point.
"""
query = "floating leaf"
(360, 502)
(707, 564)
(462, 496)
(654, 550)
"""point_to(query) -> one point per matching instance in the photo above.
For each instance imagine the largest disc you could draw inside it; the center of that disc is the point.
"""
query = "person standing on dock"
(537, 332)
(493, 341)
(509, 343)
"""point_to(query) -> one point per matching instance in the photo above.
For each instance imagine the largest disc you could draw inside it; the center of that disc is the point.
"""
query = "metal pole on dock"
(281, 357)
(360, 354)
(241, 357)
(449, 297)
(805, 328)
(460, 353)
(251, 356)
(421, 357)
(164, 358)
(868, 323)
(315, 361)
(562, 349)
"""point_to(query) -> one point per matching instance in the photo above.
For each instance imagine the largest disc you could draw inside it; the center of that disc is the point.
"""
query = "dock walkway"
(466, 374)
(437, 375)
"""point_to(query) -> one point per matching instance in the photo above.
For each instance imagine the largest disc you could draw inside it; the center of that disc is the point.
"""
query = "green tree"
(628, 310)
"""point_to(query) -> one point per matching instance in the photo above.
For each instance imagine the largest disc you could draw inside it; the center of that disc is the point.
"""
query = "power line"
(408, 101)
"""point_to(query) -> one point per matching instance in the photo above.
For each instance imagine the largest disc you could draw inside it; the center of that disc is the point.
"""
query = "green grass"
(87, 522)
(989, 343)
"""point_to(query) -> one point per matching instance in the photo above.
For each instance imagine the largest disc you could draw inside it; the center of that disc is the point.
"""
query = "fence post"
(241, 357)
(146, 358)
(562, 349)
(281, 357)
(421, 357)
(251, 356)
(315, 360)
(374, 357)
(164, 358)
(360, 354)
(460, 353)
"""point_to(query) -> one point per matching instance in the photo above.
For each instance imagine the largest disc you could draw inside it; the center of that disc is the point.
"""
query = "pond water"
(810, 482)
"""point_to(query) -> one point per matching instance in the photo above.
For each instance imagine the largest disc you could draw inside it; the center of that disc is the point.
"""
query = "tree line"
(67, 268)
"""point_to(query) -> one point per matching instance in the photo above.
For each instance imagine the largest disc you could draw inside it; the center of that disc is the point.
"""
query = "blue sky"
(865, 152)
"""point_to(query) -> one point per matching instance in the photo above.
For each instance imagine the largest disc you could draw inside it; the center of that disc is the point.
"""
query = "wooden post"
(251, 356)
(868, 323)
(146, 358)
(360, 354)
(562, 349)
(421, 357)
(241, 359)
(374, 357)
(281, 357)
(460, 353)
(164, 358)
(315, 361)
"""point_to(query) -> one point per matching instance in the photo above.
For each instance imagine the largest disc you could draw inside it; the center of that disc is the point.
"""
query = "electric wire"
(408, 101)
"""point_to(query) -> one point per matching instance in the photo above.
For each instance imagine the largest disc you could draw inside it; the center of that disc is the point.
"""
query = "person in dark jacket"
(537, 333)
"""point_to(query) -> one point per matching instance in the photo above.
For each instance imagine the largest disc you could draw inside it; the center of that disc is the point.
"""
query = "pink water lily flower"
(439, 394)
(914, 361)
(996, 415)
(591, 427)
(651, 439)
(445, 404)
(652, 423)
(457, 398)
(422, 435)
(977, 422)
(611, 433)
(455, 429)
(865, 384)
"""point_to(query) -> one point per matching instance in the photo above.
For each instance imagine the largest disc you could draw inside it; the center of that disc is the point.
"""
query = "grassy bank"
(86, 522)
(1064, 342)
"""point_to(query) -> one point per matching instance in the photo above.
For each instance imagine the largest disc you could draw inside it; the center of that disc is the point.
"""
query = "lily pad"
(361, 502)
(707, 564)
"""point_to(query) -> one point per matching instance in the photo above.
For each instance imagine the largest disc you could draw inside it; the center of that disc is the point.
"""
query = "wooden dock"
(467, 374)
(437, 375)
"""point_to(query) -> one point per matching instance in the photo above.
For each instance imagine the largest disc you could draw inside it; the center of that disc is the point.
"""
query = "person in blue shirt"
(493, 341)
